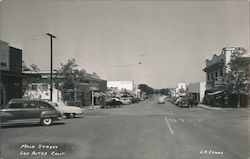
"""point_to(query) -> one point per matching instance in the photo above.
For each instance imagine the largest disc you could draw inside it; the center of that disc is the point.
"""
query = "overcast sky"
(159, 43)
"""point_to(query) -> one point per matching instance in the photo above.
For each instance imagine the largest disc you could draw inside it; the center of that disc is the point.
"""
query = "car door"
(31, 110)
(12, 111)
(43, 107)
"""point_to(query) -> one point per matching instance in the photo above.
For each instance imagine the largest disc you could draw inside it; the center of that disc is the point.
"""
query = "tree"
(146, 89)
(34, 68)
(236, 79)
(24, 66)
(72, 77)
(27, 81)
(165, 91)
(70, 73)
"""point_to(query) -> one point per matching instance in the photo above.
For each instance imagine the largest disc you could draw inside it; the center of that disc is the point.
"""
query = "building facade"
(197, 90)
(122, 85)
(11, 75)
(216, 68)
(89, 92)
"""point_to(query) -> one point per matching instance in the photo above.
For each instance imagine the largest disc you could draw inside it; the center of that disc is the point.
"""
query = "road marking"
(169, 127)
(173, 120)
(177, 120)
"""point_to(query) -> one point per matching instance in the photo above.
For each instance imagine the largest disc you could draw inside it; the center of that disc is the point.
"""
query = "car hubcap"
(47, 121)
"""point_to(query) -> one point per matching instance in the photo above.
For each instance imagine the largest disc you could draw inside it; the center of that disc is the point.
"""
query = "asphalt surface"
(146, 130)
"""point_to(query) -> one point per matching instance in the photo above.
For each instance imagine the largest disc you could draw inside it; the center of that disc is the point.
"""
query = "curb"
(209, 108)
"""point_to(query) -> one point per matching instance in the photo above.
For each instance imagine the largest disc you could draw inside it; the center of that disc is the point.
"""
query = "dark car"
(187, 102)
(29, 110)
(135, 100)
(114, 102)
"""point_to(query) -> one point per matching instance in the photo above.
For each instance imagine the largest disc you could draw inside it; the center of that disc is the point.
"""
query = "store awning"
(18, 74)
(102, 93)
(215, 93)
(98, 94)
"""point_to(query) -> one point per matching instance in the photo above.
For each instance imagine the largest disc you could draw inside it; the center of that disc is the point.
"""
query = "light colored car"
(125, 101)
(161, 100)
(68, 111)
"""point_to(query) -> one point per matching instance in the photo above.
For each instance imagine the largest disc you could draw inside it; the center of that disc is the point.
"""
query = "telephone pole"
(51, 63)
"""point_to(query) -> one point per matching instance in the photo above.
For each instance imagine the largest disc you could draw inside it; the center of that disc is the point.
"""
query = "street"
(146, 130)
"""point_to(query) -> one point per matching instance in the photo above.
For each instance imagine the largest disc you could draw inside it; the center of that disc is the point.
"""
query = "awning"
(102, 93)
(98, 94)
(214, 93)
(18, 74)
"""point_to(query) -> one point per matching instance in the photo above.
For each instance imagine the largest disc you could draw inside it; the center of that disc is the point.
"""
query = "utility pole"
(51, 63)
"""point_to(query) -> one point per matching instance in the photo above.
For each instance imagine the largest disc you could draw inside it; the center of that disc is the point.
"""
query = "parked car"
(186, 102)
(68, 111)
(135, 100)
(125, 101)
(25, 110)
(191, 102)
(182, 102)
(113, 102)
(177, 100)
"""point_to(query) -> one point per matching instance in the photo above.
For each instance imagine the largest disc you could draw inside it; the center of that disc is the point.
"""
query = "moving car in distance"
(26, 110)
(68, 111)
(114, 102)
(161, 100)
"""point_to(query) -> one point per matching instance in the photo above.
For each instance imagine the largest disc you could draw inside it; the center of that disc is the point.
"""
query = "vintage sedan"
(25, 110)
(112, 102)
(67, 111)
(125, 101)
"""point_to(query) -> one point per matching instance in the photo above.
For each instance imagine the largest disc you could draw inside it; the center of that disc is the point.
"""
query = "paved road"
(139, 131)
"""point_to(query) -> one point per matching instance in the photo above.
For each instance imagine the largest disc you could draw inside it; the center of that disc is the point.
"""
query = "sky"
(159, 43)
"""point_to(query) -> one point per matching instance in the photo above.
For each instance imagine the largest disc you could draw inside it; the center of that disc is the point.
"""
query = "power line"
(165, 72)
(29, 38)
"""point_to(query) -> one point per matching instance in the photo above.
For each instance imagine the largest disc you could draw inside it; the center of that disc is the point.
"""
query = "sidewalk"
(209, 107)
(219, 108)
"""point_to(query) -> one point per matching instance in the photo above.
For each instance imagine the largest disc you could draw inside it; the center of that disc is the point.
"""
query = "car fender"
(50, 114)
(71, 109)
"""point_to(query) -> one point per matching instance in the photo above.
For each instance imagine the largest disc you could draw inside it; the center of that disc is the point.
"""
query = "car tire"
(47, 121)
(72, 115)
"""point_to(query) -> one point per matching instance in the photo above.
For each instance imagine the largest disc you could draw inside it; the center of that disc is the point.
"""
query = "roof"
(16, 74)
